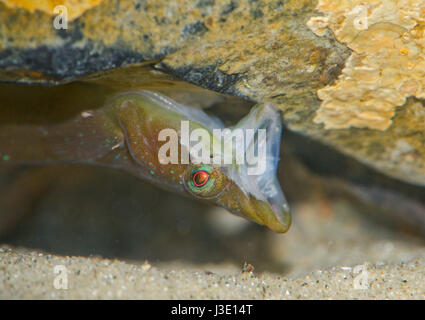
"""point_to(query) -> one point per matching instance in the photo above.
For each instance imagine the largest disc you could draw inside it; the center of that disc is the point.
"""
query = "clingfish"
(151, 136)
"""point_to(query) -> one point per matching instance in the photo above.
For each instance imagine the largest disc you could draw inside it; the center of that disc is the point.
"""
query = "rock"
(347, 74)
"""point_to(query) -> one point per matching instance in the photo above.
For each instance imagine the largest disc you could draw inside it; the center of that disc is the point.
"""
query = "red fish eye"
(200, 178)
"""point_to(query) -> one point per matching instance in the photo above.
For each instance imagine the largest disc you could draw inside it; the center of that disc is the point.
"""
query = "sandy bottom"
(30, 274)
(320, 258)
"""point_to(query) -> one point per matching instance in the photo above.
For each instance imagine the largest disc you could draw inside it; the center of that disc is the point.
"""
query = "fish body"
(125, 133)
(258, 197)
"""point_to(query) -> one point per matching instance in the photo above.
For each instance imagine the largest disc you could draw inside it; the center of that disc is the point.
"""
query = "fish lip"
(277, 216)
(283, 215)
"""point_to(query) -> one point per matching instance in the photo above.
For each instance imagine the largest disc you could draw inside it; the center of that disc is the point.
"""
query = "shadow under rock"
(90, 211)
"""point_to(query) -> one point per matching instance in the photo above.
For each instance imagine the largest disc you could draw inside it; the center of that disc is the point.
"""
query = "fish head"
(246, 185)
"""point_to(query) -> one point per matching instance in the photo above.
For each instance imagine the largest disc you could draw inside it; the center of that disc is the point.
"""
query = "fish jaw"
(272, 213)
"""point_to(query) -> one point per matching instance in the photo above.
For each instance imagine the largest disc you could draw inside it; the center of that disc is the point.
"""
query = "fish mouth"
(267, 207)
(276, 214)
(266, 203)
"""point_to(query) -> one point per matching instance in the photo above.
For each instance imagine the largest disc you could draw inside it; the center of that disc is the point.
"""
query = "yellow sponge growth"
(75, 7)
(387, 64)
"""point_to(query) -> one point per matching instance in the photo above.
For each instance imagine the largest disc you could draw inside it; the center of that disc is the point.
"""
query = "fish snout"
(273, 213)
(267, 209)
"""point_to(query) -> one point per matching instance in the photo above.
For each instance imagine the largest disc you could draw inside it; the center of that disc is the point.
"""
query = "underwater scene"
(212, 150)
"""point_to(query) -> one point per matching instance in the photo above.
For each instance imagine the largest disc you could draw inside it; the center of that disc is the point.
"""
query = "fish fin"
(191, 113)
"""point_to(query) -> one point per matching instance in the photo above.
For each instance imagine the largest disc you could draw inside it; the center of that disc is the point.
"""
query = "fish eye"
(200, 178)
(204, 181)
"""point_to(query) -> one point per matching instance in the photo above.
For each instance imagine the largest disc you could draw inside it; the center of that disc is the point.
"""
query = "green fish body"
(126, 133)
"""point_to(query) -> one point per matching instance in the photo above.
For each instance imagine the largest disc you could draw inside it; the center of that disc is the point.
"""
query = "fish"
(122, 127)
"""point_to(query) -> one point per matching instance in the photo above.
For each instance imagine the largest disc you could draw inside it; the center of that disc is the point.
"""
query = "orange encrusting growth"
(75, 7)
